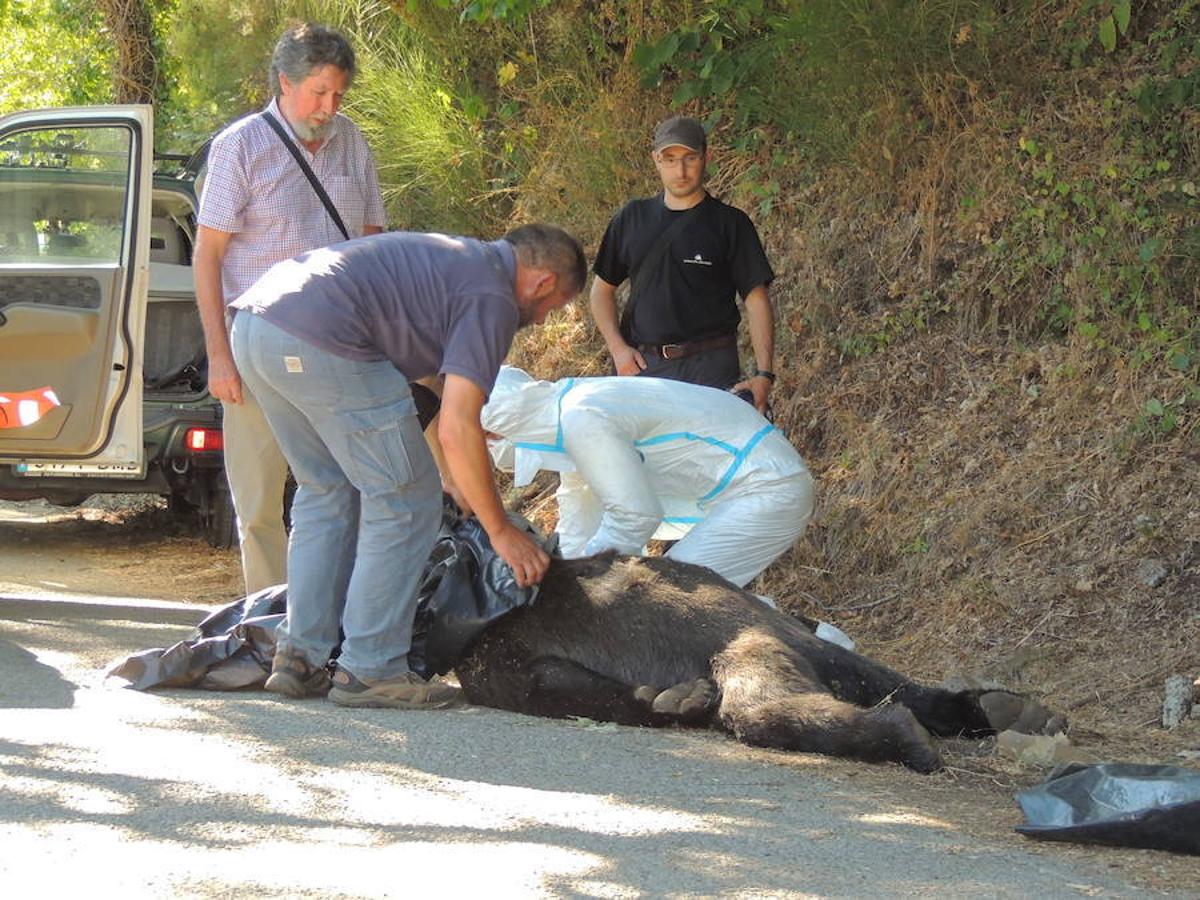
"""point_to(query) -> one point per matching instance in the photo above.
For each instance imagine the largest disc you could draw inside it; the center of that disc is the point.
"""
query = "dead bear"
(651, 641)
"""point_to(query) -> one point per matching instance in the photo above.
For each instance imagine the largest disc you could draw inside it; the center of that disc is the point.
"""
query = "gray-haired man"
(258, 208)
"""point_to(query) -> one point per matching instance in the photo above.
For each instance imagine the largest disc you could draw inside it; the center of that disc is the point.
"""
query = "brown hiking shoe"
(407, 691)
(294, 676)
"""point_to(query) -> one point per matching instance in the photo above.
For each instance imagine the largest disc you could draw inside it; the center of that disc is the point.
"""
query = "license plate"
(79, 470)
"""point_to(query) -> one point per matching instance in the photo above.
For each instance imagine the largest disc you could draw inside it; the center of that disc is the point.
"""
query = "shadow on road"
(30, 684)
(49, 608)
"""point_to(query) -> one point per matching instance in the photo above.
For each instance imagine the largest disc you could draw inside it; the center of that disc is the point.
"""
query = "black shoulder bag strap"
(307, 170)
(657, 250)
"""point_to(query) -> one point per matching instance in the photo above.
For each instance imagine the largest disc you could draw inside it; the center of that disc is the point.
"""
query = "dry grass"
(968, 526)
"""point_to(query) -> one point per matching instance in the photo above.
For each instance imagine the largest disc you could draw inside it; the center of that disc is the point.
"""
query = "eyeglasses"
(688, 160)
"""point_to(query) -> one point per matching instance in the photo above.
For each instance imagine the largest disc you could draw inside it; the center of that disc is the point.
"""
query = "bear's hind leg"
(771, 697)
(818, 723)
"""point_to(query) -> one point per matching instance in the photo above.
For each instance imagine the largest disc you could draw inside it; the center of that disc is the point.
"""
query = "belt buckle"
(668, 351)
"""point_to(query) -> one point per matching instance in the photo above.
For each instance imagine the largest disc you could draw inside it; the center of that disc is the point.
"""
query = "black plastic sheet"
(465, 587)
(1121, 804)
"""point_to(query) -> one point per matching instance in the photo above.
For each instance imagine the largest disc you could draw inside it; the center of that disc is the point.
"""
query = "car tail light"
(199, 440)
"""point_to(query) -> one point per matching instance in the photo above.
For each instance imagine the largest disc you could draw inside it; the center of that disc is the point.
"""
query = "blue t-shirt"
(429, 303)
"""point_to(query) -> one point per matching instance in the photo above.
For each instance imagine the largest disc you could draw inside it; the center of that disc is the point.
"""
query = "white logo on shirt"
(698, 260)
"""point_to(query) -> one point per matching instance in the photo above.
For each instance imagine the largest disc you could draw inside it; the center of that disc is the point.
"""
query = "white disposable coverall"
(648, 457)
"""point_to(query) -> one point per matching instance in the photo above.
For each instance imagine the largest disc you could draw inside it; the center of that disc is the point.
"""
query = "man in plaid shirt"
(257, 208)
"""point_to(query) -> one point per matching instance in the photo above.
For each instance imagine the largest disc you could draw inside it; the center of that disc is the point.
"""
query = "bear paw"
(1006, 711)
(687, 701)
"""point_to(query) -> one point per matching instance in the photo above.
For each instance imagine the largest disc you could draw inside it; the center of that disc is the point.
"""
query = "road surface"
(216, 795)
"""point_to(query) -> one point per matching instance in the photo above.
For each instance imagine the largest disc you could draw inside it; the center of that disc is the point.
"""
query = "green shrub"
(54, 55)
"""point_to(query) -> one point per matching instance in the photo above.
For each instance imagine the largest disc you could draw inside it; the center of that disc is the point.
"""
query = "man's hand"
(528, 561)
(759, 386)
(628, 361)
(224, 382)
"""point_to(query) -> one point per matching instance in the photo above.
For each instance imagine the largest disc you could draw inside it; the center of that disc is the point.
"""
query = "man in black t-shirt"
(687, 256)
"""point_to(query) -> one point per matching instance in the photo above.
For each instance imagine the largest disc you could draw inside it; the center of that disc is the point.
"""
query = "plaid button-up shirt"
(255, 191)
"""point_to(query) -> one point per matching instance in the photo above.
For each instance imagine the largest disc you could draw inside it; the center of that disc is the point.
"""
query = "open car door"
(75, 189)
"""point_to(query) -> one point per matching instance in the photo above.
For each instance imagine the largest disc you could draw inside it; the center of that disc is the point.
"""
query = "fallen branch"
(1040, 623)
(858, 606)
(1046, 534)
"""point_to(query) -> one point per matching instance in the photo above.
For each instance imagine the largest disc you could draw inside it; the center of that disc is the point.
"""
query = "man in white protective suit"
(648, 457)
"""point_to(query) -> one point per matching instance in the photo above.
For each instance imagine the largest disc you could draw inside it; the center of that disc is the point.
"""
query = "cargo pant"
(368, 501)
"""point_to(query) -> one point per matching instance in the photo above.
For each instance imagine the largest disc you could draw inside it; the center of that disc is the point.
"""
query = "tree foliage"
(55, 55)
(1046, 155)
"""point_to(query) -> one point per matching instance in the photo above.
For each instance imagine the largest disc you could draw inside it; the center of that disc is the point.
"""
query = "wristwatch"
(764, 373)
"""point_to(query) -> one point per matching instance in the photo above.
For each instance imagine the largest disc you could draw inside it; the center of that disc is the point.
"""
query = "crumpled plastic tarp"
(465, 587)
(1122, 804)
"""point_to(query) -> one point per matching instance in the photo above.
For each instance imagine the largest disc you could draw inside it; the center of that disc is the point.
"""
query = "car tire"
(180, 506)
(220, 521)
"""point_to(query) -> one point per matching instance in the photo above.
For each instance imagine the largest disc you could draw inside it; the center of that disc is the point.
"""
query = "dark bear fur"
(655, 642)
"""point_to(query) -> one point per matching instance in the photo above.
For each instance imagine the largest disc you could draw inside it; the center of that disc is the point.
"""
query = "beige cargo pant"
(257, 472)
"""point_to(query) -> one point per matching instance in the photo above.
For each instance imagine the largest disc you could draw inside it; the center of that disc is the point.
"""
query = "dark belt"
(687, 348)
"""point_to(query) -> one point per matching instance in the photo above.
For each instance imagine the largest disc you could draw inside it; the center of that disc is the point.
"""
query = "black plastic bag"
(1122, 804)
(465, 587)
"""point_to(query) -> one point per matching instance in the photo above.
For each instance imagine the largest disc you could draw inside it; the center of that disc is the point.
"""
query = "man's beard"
(307, 132)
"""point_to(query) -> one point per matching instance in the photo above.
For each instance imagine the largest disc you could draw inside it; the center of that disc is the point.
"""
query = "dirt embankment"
(1006, 513)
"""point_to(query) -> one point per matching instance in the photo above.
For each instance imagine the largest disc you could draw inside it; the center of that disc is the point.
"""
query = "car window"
(63, 193)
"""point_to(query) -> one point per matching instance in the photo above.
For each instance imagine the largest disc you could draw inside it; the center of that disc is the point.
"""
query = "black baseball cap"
(680, 131)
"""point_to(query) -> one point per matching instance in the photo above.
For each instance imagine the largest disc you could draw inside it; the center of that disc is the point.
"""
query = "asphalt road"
(214, 795)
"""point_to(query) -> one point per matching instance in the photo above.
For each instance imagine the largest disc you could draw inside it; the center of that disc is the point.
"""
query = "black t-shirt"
(690, 293)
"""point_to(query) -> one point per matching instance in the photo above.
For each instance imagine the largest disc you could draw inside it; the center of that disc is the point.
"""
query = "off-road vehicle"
(102, 366)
